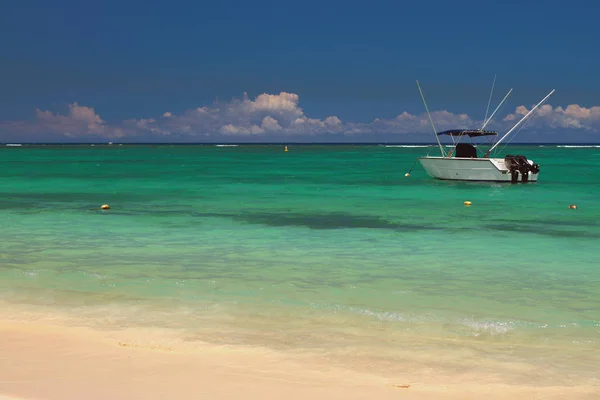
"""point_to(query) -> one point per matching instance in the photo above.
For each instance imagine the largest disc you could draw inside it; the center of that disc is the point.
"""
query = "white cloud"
(281, 114)
(231, 129)
(572, 117)
(409, 123)
(266, 114)
(334, 124)
(79, 121)
(270, 124)
(283, 103)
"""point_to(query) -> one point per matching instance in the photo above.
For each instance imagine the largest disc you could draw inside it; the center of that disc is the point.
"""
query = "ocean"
(321, 251)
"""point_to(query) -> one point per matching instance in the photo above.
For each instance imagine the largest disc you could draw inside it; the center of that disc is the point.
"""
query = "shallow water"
(325, 250)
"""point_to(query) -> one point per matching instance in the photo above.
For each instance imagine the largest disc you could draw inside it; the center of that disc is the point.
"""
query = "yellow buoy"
(573, 207)
(467, 203)
(407, 174)
(104, 206)
(286, 149)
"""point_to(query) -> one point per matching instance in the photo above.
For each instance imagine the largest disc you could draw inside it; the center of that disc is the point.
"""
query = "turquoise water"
(327, 250)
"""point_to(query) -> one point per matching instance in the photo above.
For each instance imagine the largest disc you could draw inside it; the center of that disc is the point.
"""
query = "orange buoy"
(573, 207)
(467, 203)
(104, 207)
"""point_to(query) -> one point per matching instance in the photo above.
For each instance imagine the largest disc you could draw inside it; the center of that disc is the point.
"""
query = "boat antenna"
(489, 101)
(430, 120)
(519, 123)
(515, 135)
(497, 108)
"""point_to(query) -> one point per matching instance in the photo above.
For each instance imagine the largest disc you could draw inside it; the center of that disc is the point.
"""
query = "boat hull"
(471, 169)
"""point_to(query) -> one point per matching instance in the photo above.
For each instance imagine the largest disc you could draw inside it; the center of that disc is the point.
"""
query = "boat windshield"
(465, 150)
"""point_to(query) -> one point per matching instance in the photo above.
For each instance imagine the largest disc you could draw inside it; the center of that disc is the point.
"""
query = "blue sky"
(326, 70)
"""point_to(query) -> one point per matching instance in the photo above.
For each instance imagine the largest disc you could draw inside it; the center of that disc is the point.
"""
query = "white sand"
(42, 361)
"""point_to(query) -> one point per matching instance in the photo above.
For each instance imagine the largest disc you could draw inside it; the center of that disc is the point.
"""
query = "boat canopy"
(468, 132)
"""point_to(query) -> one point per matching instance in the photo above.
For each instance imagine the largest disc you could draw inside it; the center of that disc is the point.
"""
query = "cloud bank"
(572, 117)
(279, 115)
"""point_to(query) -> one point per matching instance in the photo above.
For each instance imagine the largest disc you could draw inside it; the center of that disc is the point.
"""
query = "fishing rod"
(411, 168)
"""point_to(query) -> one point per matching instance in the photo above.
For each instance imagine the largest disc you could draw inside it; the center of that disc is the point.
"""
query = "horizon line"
(282, 143)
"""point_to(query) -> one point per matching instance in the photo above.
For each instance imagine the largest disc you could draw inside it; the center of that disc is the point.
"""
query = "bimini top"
(468, 132)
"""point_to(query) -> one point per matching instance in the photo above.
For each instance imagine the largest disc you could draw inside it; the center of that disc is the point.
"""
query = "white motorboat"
(463, 163)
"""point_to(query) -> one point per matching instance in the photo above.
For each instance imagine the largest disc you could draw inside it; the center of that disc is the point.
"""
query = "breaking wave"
(572, 146)
(408, 145)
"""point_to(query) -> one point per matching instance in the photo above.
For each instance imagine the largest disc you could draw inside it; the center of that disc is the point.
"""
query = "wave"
(464, 325)
(407, 145)
(14, 145)
(227, 145)
(489, 327)
(580, 146)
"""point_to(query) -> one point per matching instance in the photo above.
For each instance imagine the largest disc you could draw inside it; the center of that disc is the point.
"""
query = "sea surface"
(327, 251)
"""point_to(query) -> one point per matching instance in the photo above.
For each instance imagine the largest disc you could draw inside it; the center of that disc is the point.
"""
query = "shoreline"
(42, 360)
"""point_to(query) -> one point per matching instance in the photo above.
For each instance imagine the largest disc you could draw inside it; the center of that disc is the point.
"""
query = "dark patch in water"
(67, 197)
(141, 211)
(541, 231)
(319, 220)
(549, 222)
(13, 205)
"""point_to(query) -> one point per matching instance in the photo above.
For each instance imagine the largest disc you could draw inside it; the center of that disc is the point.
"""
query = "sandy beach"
(48, 361)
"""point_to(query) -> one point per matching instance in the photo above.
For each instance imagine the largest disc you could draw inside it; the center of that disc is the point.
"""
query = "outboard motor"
(520, 164)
